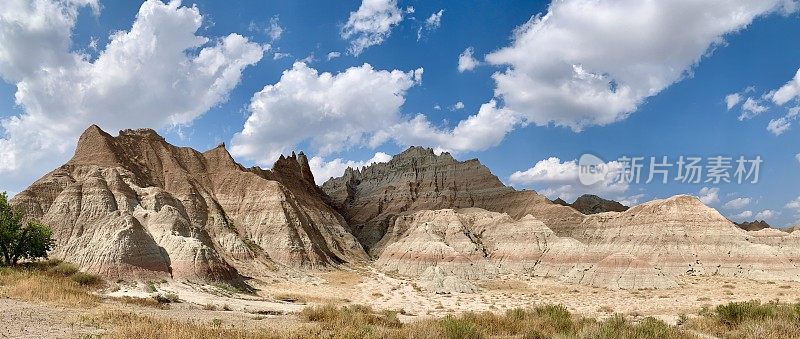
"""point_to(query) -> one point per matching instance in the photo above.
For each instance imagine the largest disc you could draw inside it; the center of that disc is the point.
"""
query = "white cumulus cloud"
(737, 203)
(788, 91)
(733, 99)
(275, 31)
(159, 73)
(743, 215)
(477, 132)
(371, 24)
(556, 179)
(593, 62)
(333, 111)
(466, 60)
(766, 214)
(709, 195)
(794, 206)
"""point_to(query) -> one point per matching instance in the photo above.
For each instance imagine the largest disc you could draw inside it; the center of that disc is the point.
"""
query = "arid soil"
(274, 306)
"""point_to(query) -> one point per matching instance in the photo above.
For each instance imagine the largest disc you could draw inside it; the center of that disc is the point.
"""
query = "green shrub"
(652, 328)
(457, 328)
(735, 313)
(557, 316)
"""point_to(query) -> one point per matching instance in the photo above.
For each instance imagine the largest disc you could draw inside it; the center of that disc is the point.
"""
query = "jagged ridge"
(136, 206)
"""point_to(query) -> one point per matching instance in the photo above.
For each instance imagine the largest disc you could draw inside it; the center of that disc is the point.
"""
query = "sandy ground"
(277, 300)
(382, 291)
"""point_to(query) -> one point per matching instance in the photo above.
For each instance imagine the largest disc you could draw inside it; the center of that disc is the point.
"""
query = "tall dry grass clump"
(540, 322)
(49, 282)
(750, 319)
(131, 326)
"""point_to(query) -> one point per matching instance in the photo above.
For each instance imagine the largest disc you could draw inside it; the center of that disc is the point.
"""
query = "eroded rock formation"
(755, 225)
(682, 236)
(417, 179)
(411, 213)
(592, 204)
(134, 206)
(450, 246)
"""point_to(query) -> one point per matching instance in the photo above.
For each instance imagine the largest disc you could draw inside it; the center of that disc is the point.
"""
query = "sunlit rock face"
(134, 206)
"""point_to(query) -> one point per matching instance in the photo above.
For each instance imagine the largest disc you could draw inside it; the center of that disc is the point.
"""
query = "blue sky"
(556, 88)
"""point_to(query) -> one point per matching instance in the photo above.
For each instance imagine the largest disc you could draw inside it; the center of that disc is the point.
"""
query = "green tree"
(19, 239)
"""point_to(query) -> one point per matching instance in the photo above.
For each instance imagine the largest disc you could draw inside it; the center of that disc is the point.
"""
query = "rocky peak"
(135, 206)
(416, 151)
(680, 207)
(295, 165)
(219, 158)
(95, 146)
(147, 133)
(414, 180)
(755, 225)
(592, 204)
(561, 202)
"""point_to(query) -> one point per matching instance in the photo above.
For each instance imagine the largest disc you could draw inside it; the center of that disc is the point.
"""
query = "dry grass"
(49, 282)
(734, 320)
(506, 285)
(540, 322)
(145, 302)
(124, 325)
(354, 315)
(751, 319)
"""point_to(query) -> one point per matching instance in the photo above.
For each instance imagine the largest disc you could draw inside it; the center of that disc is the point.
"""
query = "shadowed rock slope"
(134, 206)
(417, 179)
(755, 225)
(592, 204)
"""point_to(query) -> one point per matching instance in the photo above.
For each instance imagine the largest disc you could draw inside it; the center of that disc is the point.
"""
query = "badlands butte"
(411, 232)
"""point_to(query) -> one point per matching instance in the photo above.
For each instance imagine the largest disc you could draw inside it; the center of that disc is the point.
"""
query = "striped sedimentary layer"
(134, 206)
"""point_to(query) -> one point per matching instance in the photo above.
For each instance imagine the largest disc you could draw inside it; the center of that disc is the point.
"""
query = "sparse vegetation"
(540, 322)
(166, 298)
(64, 268)
(50, 282)
(131, 326)
(86, 279)
(750, 319)
(151, 287)
(734, 320)
(146, 302)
